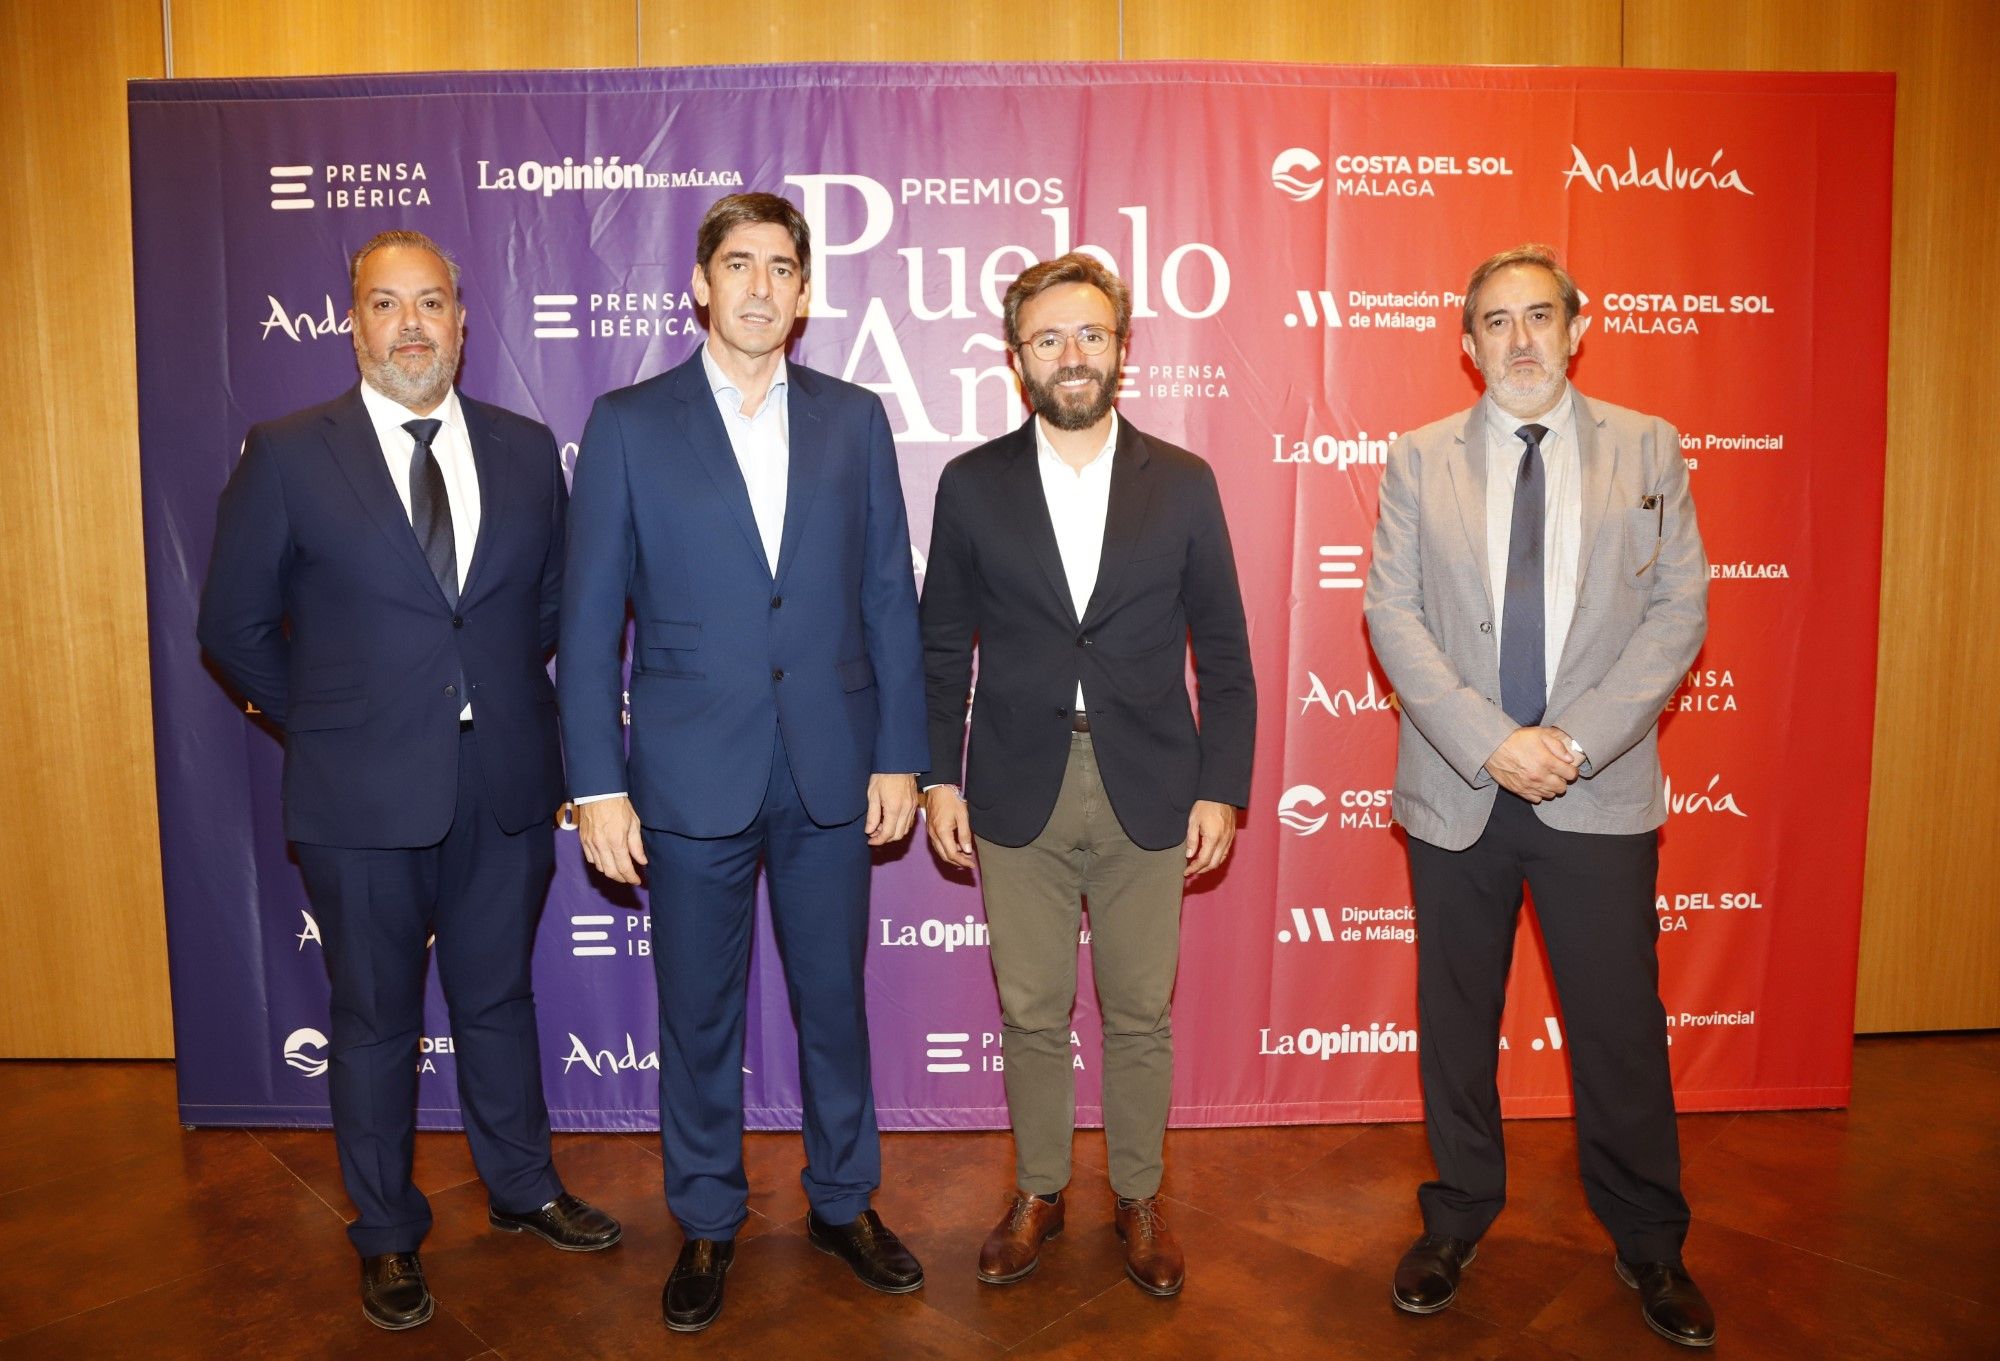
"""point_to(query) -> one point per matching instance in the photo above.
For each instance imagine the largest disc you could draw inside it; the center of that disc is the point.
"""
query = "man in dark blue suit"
(384, 586)
(751, 512)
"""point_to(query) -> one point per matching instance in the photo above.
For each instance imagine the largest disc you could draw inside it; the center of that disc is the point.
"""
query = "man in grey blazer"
(1538, 590)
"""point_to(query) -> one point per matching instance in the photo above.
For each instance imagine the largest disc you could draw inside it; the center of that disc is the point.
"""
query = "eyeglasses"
(1049, 345)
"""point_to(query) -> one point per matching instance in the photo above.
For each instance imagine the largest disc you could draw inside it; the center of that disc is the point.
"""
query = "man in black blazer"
(1080, 557)
(384, 587)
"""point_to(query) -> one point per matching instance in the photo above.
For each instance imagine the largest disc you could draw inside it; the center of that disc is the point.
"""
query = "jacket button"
(450, 690)
(1081, 640)
(1062, 713)
(1486, 626)
(778, 674)
(777, 602)
(458, 621)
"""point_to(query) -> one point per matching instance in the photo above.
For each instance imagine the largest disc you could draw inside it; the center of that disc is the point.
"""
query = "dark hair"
(384, 240)
(1074, 268)
(728, 213)
(1528, 254)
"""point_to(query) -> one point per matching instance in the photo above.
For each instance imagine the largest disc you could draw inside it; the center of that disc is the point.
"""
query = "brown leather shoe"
(1014, 1248)
(1152, 1258)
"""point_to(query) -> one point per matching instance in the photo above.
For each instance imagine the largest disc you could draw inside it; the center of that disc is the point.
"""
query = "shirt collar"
(388, 413)
(1047, 450)
(1560, 420)
(720, 382)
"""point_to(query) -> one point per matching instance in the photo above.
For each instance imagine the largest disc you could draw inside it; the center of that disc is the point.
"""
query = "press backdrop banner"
(1294, 238)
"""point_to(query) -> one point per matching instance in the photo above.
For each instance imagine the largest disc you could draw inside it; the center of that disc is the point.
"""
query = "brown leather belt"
(1079, 720)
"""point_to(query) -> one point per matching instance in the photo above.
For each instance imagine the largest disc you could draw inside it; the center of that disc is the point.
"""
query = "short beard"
(1049, 403)
(416, 391)
(1524, 403)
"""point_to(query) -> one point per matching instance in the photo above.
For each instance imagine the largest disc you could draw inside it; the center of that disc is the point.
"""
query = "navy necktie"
(430, 509)
(1524, 688)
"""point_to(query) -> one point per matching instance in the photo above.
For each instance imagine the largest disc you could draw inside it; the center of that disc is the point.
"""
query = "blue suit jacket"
(320, 608)
(727, 653)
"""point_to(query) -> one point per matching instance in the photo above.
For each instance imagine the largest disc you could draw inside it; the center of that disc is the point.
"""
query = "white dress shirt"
(1079, 500)
(762, 444)
(1562, 518)
(453, 451)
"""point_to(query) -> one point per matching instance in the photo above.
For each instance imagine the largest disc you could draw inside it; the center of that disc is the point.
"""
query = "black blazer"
(320, 608)
(1166, 577)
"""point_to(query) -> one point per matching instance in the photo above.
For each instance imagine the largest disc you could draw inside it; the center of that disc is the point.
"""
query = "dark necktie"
(430, 509)
(1524, 688)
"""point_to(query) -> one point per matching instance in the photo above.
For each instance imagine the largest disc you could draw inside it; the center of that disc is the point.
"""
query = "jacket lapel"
(1468, 478)
(350, 436)
(702, 427)
(1030, 508)
(1131, 498)
(1598, 463)
(489, 453)
(805, 459)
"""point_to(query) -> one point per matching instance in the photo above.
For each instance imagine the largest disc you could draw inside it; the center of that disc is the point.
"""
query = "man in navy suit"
(384, 586)
(751, 512)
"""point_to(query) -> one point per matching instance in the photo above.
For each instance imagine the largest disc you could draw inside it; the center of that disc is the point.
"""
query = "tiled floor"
(1873, 1232)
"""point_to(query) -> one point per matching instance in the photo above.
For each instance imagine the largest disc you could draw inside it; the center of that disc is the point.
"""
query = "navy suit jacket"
(320, 608)
(727, 653)
(1166, 578)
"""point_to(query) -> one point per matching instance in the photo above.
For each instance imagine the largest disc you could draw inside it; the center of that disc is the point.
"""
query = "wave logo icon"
(1296, 174)
(1297, 809)
(305, 1050)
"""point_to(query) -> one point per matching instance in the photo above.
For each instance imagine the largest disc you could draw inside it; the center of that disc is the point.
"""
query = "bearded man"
(1080, 557)
(384, 587)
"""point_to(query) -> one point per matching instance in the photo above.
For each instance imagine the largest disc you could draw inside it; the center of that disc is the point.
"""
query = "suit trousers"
(704, 896)
(1594, 900)
(480, 891)
(1034, 899)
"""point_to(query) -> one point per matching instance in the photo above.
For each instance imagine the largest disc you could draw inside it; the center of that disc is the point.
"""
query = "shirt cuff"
(581, 799)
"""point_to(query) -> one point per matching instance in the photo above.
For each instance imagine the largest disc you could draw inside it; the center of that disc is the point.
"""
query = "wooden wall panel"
(317, 37)
(1930, 938)
(675, 33)
(80, 922)
(1426, 32)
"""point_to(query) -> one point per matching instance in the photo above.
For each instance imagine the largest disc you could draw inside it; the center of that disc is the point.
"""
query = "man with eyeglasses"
(1080, 556)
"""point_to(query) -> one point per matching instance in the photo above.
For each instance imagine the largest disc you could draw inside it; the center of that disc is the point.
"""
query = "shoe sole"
(507, 1226)
(910, 1289)
(1427, 1309)
(388, 1327)
(1618, 1265)
(1025, 1271)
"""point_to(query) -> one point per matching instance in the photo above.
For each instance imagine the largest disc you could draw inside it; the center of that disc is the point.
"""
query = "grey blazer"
(1641, 611)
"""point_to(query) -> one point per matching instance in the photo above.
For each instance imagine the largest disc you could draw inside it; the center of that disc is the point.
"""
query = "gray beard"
(416, 391)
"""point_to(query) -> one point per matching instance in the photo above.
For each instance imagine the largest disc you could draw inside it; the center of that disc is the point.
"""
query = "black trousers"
(1594, 898)
(480, 890)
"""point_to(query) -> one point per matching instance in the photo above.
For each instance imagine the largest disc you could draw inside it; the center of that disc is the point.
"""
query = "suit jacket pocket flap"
(313, 715)
(671, 635)
(857, 674)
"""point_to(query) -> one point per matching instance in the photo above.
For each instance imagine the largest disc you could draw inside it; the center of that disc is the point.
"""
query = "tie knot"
(424, 431)
(1533, 434)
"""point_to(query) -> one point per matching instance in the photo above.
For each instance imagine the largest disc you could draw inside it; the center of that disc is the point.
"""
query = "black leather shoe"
(393, 1293)
(569, 1223)
(1427, 1277)
(1669, 1300)
(692, 1298)
(877, 1255)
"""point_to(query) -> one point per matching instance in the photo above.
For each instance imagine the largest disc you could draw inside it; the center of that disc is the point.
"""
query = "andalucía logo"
(1666, 177)
(1296, 174)
(305, 1050)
